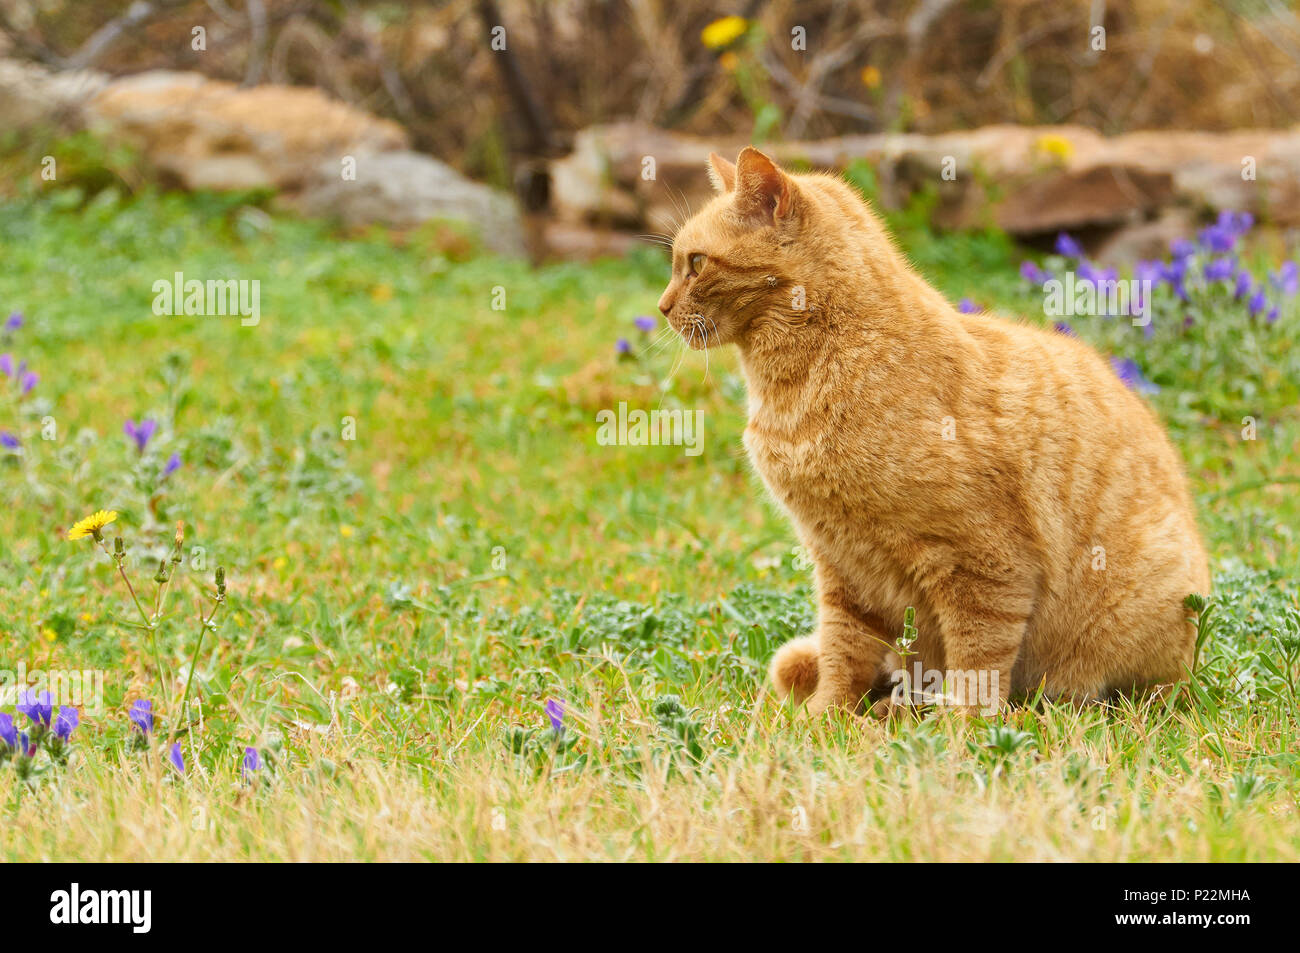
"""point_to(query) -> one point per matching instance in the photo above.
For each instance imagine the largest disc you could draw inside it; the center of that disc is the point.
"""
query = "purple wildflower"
(1216, 238)
(1287, 279)
(1147, 274)
(8, 733)
(141, 715)
(1272, 314)
(1258, 301)
(173, 464)
(644, 322)
(14, 321)
(1131, 374)
(7, 365)
(29, 381)
(1242, 286)
(141, 433)
(624, 346)
(37, 708)
(176, 758)
(252, 762)
(68, 719)
(1067, 246)
(1032, 273)
(1091, 274)
(967, 306)
(9, 440)
(1174, 271)
(1063, 328)
(1148, 270)
(1182, 248)
(1220, 269)
(555, 711)
(26, 746)
(1236, 223)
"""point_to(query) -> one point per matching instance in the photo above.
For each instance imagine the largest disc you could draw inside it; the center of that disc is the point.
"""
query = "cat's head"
(735, 261)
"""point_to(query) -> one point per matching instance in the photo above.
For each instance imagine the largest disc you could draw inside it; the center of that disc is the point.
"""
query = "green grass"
(402, 605)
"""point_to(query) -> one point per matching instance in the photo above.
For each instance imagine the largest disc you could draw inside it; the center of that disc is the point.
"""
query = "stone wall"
(1127, 194)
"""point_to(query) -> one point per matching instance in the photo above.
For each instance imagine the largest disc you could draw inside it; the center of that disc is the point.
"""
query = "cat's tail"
(794, 669)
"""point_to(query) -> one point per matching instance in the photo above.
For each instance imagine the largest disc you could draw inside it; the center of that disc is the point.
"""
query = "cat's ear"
(721, 173)
(764, 193)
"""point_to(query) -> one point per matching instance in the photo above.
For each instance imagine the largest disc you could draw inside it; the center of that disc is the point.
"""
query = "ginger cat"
(999, 478)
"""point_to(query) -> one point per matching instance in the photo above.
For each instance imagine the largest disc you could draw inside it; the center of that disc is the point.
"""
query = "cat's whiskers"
(671, 224)
(659, 342)
(666, 337)
(655, 238)
(685, 201)
(697, 324)
(706, 347)
(667, 384)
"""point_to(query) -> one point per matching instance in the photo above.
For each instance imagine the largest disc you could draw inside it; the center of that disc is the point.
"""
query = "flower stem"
(149, 624)
(194, 661)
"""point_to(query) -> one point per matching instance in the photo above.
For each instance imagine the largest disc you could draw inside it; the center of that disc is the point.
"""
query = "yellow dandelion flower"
(729, 61)
(92, 524)
(723, 32)
(1056, 145)
(870, 77)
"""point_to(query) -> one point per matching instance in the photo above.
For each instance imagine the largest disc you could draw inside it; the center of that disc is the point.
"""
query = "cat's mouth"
(697, 331)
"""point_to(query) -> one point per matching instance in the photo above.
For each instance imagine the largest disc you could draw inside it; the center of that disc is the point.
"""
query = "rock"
(1073, 199)
(1148, 240)
(1030, 180)
(607, 180)
(32, 96)
(582, 189)
(209, 134)
(1249, 170)
(572, 242)
(405, 189)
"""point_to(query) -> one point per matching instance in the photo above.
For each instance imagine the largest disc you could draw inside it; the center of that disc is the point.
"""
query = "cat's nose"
(666, 302)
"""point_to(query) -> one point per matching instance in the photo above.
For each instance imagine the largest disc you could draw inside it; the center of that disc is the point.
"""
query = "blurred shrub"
(807, 69)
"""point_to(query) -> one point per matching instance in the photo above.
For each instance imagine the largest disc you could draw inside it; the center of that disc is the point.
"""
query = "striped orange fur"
(997, 477)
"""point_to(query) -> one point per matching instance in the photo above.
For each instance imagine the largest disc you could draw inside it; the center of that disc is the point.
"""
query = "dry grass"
(785, 792)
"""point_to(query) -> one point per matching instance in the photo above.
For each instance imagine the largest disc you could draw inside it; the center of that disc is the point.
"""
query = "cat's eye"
(695, 263)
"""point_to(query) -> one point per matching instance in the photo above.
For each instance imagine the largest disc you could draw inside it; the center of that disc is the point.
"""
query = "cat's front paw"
(824, 701)
(882, 708)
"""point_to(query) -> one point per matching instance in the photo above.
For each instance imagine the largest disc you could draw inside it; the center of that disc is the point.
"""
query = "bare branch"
(136, 15)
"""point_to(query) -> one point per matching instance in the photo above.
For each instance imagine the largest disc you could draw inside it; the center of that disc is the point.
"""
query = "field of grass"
(424, 545)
